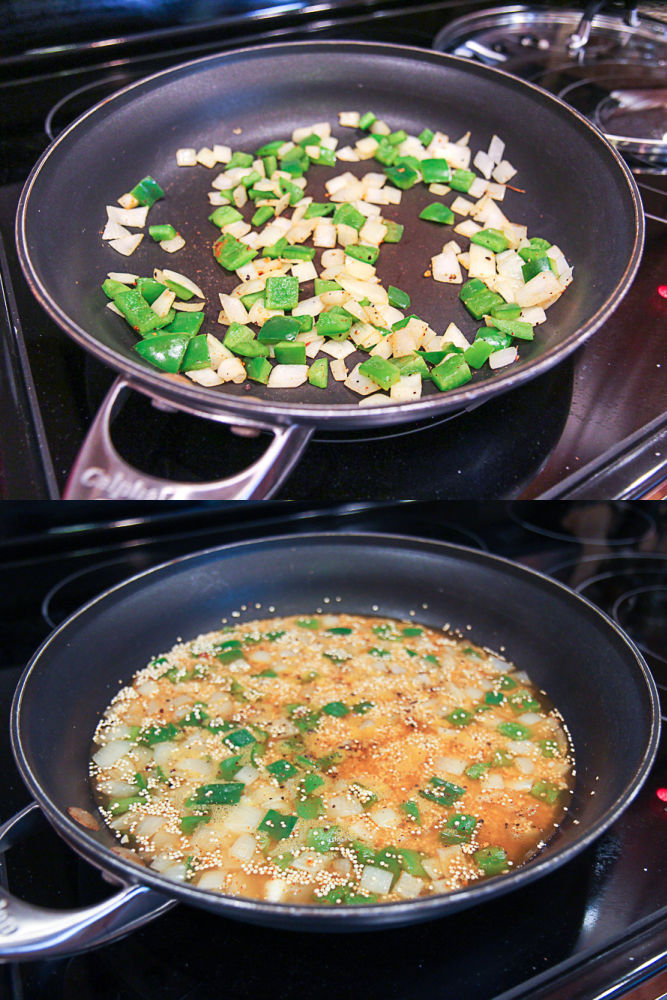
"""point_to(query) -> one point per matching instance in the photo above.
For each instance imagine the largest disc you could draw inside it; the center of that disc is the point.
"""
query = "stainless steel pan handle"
(28, 931)
(100, 473)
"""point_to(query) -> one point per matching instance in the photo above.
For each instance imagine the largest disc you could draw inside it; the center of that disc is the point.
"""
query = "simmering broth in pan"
(331, 759)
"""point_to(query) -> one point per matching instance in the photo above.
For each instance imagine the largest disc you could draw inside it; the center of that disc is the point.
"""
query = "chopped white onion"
(506, 356)
(450, 765)
(244, 847)
(214, 880)
(111, 752)
(133, 217)
(408, 886)
(114, 231)
(287, 376)
(375, 880)
(186, 157)
(244, 818)
(126, 245)
(175, 243)
(384, 816)
(181, 279)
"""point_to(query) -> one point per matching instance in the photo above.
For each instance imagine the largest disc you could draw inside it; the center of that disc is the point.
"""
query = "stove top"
(595, 426)
(595, 928)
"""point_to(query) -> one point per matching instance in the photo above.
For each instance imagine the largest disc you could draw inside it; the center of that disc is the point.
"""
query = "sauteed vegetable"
(331, 759)
(511, 277)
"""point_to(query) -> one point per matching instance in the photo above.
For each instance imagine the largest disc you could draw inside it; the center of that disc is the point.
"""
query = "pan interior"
(577, 194)
(588, 668)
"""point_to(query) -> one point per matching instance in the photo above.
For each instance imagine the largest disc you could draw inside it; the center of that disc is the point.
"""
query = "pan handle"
(28, 931)
(100, 473)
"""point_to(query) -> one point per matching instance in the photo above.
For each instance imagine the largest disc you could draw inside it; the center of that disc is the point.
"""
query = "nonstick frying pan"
(580, 195)
(590, 668)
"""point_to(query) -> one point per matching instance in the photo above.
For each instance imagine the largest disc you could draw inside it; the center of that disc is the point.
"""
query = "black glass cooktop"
(529, 442)
(593, 929)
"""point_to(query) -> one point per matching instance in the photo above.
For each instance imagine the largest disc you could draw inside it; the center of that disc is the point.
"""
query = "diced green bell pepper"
(451, 373)
(402, 176)
(279, 328)
(494, 338)
(394, 232)
(443, 793)
(437, 212)
(435, 171)
(196, 355)
(383, 373)
(319, 209)
(293, 353)
(228, 793)
(318, 373)
(367, 254)
(147, 191)
(492, 239)
(136, 311)
(492, 860)
(478, 353)
(333, 324)
(461, 179)
(258, 369)
(111, 288)
(505, 310)
(186, 322)
(398, 298)
(225, 215)
(162, 232)
(281, 292)
(262, 215)
(231, 254)
(278, 825)
(458, 829)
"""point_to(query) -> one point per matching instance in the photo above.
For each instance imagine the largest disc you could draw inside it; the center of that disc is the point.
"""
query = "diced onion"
(244, 818)
(450, 765)
(408, 886)
(506, 356)
(126, 245)
(171, 246)
(111, 752)
(342, 806)
(181, 279)
(244, 847)
(375, 880)
(384, 816)
(214, 880)
(287, 376)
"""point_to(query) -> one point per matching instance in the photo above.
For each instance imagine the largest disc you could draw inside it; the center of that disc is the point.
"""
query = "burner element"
(77, 589)
(643, 615)
(81, 100)
(590, 523)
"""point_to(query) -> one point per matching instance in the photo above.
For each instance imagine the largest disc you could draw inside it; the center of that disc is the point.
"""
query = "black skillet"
(579, 195)
(590, 668)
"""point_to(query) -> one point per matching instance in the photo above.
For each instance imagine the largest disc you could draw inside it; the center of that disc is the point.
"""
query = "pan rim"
(334, 918)
(340, 415)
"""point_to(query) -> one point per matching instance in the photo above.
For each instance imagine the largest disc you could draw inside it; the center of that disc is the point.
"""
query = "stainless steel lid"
(613, 72)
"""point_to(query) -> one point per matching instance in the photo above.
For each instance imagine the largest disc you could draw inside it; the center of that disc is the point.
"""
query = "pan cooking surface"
(578, 195)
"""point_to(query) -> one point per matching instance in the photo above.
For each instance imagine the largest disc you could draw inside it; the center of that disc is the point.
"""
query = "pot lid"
(613, 71)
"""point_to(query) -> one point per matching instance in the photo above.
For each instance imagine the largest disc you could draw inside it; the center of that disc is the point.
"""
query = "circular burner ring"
(642, 612)
(78, 101)
(638, 519)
